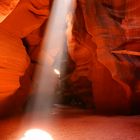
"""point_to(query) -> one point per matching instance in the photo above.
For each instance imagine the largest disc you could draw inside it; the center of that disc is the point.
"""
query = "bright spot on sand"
(36, 134)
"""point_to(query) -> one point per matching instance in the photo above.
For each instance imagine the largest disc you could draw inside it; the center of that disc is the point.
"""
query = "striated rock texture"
(6, 7)
(14, 60)
(99, 27)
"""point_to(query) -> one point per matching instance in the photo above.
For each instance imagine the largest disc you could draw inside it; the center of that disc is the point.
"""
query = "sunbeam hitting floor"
(73, 124)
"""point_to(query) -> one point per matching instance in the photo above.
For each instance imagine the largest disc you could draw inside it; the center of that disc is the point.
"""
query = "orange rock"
(26, 17)
(97, 32)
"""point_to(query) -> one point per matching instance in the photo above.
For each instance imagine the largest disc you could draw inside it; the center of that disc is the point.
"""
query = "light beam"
(53, 43)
